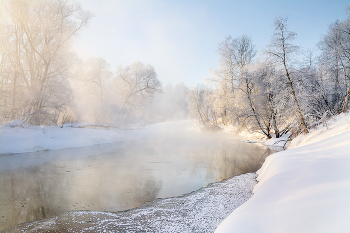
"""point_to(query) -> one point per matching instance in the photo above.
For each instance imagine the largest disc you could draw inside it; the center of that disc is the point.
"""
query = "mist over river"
(119, 176)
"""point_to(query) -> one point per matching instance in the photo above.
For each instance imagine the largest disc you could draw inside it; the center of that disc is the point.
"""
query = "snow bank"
(257, 137)
(303, 189)
(277, 142)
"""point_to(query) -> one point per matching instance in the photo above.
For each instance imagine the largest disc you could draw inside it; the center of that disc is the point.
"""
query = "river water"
(119, 176)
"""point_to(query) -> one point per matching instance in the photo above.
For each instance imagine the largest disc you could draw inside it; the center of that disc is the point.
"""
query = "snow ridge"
(303, 189)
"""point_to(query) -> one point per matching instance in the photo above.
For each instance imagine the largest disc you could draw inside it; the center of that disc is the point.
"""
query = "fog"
(184, 147)
(112, 177)
(115, 103)
(43, 82)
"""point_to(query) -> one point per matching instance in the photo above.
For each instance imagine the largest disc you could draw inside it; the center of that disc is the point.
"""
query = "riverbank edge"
(27, 139)
(202, 211)
(302, 189)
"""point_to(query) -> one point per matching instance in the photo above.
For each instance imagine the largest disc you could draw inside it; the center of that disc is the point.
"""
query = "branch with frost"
(18, 123)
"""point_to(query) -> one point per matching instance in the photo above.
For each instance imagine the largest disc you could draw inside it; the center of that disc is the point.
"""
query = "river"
(119, 176)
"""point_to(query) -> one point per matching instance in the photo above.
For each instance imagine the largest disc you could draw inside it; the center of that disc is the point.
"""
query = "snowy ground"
(200, 211)
(303, 189)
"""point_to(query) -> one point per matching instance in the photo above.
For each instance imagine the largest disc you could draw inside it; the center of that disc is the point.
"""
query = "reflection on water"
(114, 177)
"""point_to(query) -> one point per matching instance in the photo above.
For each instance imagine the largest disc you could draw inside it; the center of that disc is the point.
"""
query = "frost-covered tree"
(117, 99)
(314, 91)
(234, 54)
(275, 95)
(282, 51)
(201, 105)
(35, 57)
(236, 58)
(272, 101)
(91, 86)
(136, 85)
(223, 97)
(335, 58)
(97, 75)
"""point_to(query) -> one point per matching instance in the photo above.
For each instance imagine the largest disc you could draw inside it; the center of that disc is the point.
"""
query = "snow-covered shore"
(303, 189)
(38, 138)
(199, 211)
(14, 140)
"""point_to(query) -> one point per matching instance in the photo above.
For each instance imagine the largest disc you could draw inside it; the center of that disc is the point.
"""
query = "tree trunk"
(274, 123)
(295, 98)
(254, 112)
(13, 112)
(345, 104)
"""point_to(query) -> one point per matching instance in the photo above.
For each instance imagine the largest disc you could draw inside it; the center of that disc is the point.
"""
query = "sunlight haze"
(180, 38)
(175, 116)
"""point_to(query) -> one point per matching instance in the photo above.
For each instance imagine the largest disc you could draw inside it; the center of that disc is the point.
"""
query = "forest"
(278, 90)
(284, 90)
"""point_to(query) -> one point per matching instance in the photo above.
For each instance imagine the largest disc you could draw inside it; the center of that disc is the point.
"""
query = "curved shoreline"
(199, 211)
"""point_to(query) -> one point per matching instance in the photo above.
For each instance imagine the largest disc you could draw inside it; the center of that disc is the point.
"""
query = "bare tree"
(273, 95)
(235, 54)
(97, 76)
(136, 84)
(91, 89)
(38, 33)
(201, 106)
(335, 48)
(272, 102)
(282, 51)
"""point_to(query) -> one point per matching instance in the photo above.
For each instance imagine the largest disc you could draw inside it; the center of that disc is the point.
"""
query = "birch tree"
(282, 51)
(236, 55)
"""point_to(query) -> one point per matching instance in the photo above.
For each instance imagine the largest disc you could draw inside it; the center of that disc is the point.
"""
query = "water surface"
(119, 176)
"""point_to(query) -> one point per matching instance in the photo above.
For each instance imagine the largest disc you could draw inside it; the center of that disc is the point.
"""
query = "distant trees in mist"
(43, 82)
(279, 90)
(119, 98)
(284, 90)
(35, 58)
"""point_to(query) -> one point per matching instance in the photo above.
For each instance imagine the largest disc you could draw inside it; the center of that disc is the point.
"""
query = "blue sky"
(179, 38)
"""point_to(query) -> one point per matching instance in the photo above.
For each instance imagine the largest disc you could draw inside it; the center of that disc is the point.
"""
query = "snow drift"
(303, 189)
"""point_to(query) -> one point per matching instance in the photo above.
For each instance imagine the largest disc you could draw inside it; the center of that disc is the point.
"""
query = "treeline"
(283, 91)
(44, 83)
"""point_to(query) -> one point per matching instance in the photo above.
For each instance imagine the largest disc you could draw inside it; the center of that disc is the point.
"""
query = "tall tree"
(91, 87)
(335, 48)
(97, 76)
(236, 55)
(282, 51)
(36, 38)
